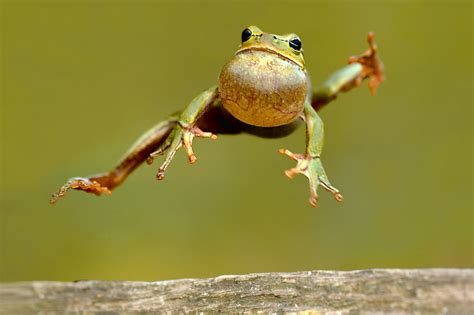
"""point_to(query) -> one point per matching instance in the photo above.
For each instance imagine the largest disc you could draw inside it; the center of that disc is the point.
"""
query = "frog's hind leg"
(137, 154)
(159, 139)
(218, 120)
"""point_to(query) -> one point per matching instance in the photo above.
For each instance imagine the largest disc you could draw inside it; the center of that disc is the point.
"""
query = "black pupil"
(246, 34)
(295, 43)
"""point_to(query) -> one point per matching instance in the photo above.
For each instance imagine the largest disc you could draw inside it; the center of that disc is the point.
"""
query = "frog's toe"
(188, 137)
(160, 151)
(80, 183)
(313, 201)
(333, 190)
(291, 155)
(315, 180)
(160, 175)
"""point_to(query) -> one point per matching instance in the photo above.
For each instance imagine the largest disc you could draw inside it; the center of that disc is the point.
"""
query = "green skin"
(264, 90)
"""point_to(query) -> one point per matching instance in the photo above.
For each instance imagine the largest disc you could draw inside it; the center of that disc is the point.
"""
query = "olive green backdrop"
(82, 80)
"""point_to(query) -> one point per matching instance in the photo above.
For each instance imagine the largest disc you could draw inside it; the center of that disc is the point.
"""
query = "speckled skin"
(262, 89)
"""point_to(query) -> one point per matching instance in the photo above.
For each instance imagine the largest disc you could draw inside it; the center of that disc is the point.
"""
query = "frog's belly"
(262, 89)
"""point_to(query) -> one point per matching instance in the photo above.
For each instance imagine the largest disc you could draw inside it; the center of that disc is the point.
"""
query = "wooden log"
(420, 291)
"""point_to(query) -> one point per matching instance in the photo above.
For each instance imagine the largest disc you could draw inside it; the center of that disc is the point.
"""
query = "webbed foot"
(372, 66)
(312, 168)
(89, 185)
(180, 136)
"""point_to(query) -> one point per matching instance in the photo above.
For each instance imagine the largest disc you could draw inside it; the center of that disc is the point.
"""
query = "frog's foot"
(181, 136)
(312, 168)
(372, 66)
(86, 184)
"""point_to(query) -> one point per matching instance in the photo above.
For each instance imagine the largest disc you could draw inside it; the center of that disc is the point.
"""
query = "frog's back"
(263, 89)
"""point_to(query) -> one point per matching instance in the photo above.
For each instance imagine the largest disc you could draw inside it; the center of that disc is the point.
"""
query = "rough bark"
(419, 291)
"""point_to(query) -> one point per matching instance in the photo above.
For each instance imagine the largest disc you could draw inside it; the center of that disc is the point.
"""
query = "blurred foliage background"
(83, 79)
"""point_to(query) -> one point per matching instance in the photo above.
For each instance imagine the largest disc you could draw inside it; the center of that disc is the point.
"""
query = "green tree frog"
(264, 90)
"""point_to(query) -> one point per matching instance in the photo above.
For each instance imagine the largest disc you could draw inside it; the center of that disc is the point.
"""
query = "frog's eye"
(246, 34)
(295, 43)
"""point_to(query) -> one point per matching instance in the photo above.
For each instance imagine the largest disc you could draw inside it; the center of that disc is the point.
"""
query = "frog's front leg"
(309, 164)
(365, 66)
(185, 131)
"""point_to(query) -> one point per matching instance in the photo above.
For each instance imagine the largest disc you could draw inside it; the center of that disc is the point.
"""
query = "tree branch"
(366, 291)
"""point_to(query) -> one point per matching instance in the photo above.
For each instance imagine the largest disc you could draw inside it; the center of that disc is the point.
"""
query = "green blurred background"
(82, 80)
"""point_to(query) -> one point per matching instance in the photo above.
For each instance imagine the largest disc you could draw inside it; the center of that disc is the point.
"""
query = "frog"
(264, 90)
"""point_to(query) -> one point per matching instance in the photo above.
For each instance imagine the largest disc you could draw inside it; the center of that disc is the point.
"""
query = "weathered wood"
(434, 291)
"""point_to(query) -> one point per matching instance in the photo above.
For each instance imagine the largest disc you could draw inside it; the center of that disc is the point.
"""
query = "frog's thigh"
(218, 121)
(272, 132)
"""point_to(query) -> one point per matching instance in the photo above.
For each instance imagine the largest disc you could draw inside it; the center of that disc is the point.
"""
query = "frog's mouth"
(272, 51)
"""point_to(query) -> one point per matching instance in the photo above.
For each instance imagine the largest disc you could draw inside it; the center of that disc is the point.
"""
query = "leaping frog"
(264, 90)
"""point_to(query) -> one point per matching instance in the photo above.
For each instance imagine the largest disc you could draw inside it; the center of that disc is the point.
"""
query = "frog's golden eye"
(295, 43)
(246, 34)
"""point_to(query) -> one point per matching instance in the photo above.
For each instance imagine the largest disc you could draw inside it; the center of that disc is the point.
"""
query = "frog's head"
(286, 46)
